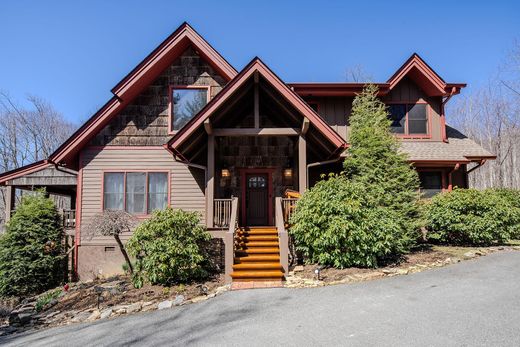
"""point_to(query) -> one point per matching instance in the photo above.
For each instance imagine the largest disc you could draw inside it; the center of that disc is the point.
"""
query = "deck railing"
(288, 207)
(69, 219)
(221, 213)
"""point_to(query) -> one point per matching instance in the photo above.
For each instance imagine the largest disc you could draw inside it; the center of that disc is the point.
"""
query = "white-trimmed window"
(135, 192)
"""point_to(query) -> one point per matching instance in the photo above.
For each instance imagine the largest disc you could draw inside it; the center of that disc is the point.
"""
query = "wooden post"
(210, 184)
(9, 202)
(302, 164)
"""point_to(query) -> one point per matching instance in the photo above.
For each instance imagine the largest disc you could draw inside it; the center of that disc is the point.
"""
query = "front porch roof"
(256, 66)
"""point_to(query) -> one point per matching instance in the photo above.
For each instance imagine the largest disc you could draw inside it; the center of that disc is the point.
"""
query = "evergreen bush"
(31, 251)
(169, 248)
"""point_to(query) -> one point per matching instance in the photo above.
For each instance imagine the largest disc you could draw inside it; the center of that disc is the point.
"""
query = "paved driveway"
(474, 303)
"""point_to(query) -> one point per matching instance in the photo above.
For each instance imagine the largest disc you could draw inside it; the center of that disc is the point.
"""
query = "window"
(431, 183)
(135, 192)
(257, 182)
(186, 103)
(409, 119)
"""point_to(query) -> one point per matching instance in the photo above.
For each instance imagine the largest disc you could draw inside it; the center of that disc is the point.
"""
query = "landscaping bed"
(422, 258)
(99, 299)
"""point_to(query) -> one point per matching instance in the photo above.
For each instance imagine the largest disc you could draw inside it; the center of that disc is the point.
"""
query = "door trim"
(243, 174)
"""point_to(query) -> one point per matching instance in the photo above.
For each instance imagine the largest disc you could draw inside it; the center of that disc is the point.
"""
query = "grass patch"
(46, 298)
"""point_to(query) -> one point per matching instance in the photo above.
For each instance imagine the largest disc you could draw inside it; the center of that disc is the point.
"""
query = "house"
(185, 129)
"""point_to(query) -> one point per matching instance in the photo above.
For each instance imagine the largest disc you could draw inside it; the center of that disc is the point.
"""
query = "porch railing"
(69, 219)
(288, 207)
(222, 212)
(229, 238)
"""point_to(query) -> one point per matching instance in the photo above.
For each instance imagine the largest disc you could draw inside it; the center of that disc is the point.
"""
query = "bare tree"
(358, 74)
(112, 223)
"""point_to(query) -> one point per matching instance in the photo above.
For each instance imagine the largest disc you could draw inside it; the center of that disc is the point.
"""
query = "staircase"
(257, 255)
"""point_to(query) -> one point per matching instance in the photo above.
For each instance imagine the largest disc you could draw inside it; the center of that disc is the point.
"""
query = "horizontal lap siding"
(186, 185)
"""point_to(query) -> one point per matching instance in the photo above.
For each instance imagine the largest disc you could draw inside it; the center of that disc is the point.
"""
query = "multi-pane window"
(186, 103)
(409, 119)
(431, 183)
(135, 192)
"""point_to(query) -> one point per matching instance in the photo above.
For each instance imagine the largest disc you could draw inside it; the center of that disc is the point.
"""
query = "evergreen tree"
(31, 252)
(374, 159)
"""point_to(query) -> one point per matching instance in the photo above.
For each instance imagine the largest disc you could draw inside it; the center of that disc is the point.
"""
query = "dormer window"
(186, 102)
(409, 119)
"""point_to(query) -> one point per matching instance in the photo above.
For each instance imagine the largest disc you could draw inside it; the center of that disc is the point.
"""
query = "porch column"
(302, 164)
(9, 201)
(210, 184)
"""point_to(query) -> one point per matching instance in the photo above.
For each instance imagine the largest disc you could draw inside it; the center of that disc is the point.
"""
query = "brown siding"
(186, 184)
(144, 122)
(335, 111)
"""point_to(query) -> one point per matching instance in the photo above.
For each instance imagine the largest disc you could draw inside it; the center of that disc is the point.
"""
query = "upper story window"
(187, 101)
(409, 119)
(135, 192)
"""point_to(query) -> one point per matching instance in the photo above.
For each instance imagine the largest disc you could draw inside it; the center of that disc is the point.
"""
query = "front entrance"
(256, 197)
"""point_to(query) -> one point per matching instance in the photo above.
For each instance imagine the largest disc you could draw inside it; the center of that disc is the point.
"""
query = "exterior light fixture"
(317, 273)
(225, 173)
(287, 173)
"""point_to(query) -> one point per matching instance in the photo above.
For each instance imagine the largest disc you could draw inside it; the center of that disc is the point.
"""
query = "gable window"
(186, 102)
(430, 182)
(135, 192)
(409, 119)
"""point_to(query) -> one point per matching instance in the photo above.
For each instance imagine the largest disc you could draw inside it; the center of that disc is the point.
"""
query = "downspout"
(443, 114)
(319, 163)
(450, 183)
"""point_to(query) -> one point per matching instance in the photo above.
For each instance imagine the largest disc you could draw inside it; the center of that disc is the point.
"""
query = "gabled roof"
(138, 79)
(424, 76)
(256, 65)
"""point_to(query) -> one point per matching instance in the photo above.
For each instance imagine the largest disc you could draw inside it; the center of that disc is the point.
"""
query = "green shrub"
(47, 298)
(337, 224)
(31, 253)
(512, 197)
(169, 248)
(470, 217)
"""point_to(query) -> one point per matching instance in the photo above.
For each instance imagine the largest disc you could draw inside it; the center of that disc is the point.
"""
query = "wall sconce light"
(287, 173)
(225, 173)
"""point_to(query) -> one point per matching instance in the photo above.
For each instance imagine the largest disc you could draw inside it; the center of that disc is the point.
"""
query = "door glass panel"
(256, 182)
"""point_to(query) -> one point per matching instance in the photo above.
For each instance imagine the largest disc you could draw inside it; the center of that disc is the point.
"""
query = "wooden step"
(258, 250)
(248, 233)
(258, 266)
(258, 258)
(257, 238)
(259, 244)
(257, 275)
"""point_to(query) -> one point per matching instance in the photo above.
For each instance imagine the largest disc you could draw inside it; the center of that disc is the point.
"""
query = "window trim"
(173, 87)
(138, 215)
(406, 135)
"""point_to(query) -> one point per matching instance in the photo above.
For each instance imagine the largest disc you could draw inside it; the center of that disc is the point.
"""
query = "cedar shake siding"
(186, 184)
(144, 122)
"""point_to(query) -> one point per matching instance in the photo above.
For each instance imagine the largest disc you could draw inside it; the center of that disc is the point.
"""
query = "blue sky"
(73, 52)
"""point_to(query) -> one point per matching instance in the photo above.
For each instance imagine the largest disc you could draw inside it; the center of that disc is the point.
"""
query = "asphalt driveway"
(473, 303)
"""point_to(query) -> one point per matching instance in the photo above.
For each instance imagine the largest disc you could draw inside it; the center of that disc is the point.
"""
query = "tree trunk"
(125, 255)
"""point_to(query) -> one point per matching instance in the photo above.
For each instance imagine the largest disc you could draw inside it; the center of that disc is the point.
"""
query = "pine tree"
(375, 161)
(31, 252)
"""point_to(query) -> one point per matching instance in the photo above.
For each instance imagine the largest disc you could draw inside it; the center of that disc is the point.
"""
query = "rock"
(50, 304)
(25, 318)
(179, 299)
(516, 248)
(402, 272)
(147, 303)
(298, 268)
(94, 315)
(388, 271)
(222, 289)
(164, 304)
(479, 253)
(136, 307)
(81, 317)
(199, 299)
(120, 309)
(106, 313)
(469, 255)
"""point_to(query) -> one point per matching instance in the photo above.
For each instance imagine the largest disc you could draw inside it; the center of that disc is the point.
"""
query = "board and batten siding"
(186, 184)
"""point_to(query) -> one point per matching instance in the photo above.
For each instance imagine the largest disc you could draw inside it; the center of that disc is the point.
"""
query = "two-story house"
(185, 129)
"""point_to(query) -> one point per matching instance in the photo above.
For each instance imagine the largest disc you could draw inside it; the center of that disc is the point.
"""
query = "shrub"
(31, 253)
(47, 298)
(511, 197)
(337, 224)
(469, 217)
(169, 248)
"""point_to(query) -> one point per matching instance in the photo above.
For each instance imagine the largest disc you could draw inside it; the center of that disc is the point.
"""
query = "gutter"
(453, 91)
(319, 163)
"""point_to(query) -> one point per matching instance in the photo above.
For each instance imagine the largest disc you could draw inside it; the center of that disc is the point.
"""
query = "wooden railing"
(222, 212)
(229, 238)
(69, 219)
(288, 207)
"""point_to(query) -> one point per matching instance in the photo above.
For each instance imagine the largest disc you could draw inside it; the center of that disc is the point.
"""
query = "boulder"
(81, 317)
(136, 307)
(164, 304)
(94, 315)
(179, 299)
(105, 313)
